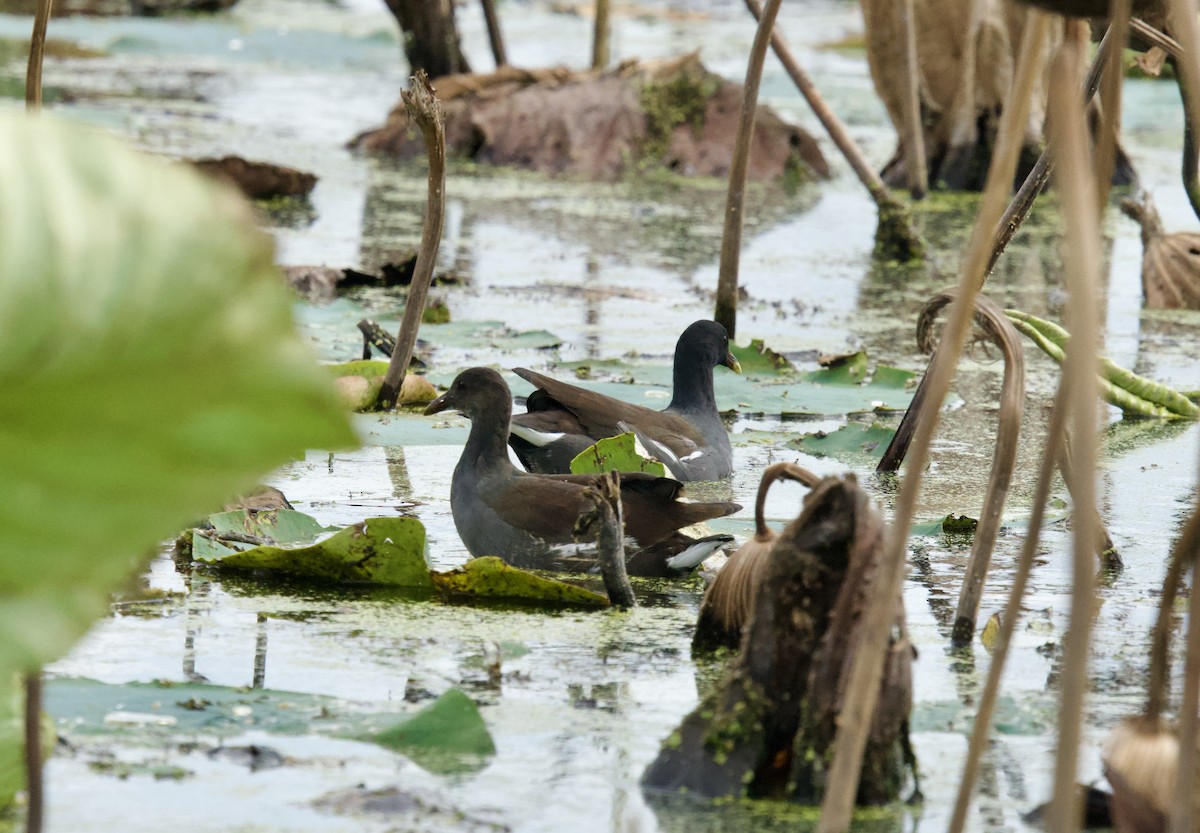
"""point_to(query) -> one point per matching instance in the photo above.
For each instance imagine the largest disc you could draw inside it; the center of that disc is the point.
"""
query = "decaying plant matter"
(992, 321)
(1170, 262)
(605, 524)
(967, 57)
(768, 729)
(895, 236)
(425, 110)
(729, 601)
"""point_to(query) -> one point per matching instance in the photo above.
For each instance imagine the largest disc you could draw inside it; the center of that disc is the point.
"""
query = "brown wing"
(600, 415)
(548, 505)
(544, 506)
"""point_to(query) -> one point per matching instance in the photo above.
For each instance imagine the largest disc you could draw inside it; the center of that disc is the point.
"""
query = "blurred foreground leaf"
(149, 366)
(12, 739)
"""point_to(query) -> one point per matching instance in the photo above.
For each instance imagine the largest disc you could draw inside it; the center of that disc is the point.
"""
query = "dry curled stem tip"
(421, 101)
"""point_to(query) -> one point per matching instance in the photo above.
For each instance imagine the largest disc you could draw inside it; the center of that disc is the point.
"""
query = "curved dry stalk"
(735, 199)
(895, 234)
(1076, 183)
(1035, 183)
(425, 110)
(980, 732)
(37, 49)
(992, 320)
(862, 689)
(771, 474)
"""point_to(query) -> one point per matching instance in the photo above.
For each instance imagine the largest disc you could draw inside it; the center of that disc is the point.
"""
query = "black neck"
(487, 444)
(693, 386)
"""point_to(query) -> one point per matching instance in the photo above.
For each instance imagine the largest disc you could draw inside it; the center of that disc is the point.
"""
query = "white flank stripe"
(694, 554)
(538, 438)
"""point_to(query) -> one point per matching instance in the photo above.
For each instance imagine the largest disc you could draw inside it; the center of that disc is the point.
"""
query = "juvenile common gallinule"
(527, 519)
(687, 436)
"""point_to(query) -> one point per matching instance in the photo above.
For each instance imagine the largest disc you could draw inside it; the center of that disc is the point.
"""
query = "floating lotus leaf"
(389, 551)
(850, 442)
(617, 453)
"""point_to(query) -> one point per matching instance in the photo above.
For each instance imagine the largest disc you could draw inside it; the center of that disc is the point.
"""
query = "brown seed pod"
(729, 600)
(1140, 759)
(1170, 262)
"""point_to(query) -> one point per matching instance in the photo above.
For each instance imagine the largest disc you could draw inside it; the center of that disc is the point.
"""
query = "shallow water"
(584, 699)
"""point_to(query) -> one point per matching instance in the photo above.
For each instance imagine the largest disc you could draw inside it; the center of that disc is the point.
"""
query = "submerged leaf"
(854, 439)
(389, 551)
(149, 365)
(443, 736)
(619, 453)
(990, 635)
(949, 525)
(490, 578)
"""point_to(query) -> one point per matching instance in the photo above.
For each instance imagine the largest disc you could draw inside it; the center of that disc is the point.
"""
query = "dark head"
(476, 392)
(706, 343)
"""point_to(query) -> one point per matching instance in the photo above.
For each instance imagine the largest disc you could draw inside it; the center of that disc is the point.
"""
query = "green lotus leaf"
(388, 551)
(447, 736)
(853, 440)
(617, 453)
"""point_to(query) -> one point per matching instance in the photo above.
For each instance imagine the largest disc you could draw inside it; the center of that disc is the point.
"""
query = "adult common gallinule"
(687, 436)
(527, 519)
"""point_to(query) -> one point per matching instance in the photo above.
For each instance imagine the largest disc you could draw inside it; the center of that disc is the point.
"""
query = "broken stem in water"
(1076, 184)
(601, 34)
(862, 689)
(731, 237)
(1113, 73)
(424, 109)
(495, 35)
(895, 236)
(604, 519)
(1183, 555)
(1183, 806)
(914, 133)
(37, 49)
(34, 784)
(980, 733)
(1021, 203)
